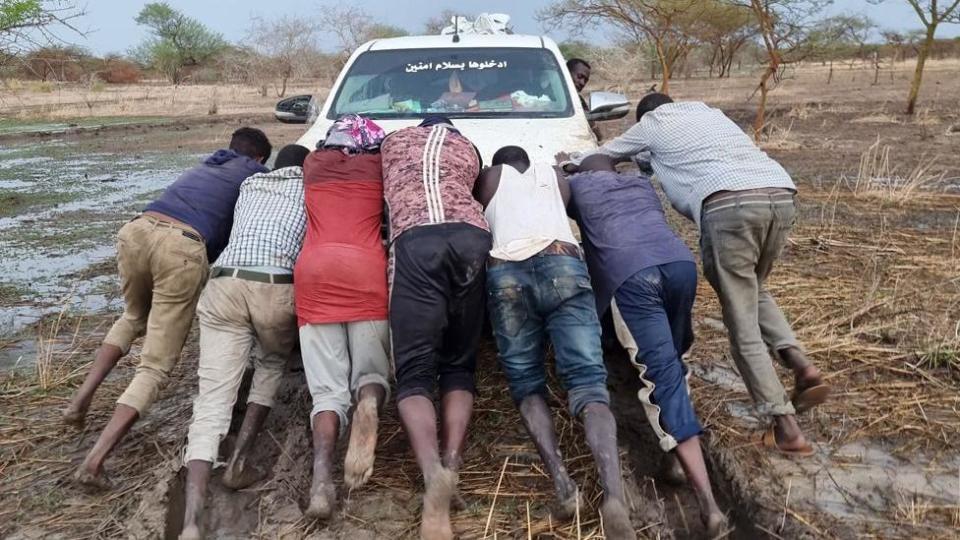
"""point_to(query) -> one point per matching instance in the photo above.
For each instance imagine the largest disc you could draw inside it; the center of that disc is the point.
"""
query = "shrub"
(119, 71)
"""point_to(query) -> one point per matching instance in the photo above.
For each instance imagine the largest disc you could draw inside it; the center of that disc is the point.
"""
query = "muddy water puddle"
(60, 208)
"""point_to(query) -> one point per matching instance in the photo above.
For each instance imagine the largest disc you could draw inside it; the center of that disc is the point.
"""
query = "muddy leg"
(536, 418)
(104, 362)
(420, 422)
(90, 472)
(358, 464)
(691, 458)
(456, 409)
(238, 474)
(323, 493)
(601, 431)
(198, 475)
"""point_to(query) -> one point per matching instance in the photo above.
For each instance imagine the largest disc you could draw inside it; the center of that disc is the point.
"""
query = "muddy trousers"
(652, 314)
(233, 314)
(341, 358)
(162, 270)
(741, 236)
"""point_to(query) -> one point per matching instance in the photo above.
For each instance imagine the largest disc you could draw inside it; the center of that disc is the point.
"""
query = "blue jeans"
(652, 312)
(548, 294)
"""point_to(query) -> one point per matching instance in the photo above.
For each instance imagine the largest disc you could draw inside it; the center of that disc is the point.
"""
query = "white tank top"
(527, 213)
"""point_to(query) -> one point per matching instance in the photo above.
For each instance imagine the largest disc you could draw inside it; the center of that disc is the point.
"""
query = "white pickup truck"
(499, 89)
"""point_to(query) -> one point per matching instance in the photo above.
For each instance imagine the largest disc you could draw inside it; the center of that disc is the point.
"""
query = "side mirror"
(607, 106)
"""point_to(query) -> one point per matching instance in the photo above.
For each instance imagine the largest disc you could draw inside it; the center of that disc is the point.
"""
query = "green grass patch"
(14, 203)
(10, 126)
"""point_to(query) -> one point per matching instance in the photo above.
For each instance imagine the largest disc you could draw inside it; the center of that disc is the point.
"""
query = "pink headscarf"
(354, 133)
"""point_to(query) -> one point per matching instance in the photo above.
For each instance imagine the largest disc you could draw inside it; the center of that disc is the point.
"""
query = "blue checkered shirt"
(695, 151)
(269, 221)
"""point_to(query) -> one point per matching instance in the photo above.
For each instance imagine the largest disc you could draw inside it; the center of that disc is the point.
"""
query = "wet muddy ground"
(872, 286)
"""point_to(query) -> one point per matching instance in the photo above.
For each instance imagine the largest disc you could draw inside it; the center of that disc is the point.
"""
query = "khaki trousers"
(740, 239)
(161, 275)
(233, 313)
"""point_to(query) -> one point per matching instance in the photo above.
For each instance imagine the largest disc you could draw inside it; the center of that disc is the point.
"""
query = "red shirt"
(341, 274)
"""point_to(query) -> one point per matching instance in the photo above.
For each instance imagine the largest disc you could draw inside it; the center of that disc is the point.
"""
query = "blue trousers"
(652, 314)
(548, 295)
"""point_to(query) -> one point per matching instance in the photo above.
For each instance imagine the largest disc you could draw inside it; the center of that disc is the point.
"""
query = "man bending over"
(163, 259)
(249, 298)
(646, 274)
(538, 287)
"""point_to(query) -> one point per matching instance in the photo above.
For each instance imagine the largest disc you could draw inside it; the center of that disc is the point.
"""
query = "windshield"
(471, 83)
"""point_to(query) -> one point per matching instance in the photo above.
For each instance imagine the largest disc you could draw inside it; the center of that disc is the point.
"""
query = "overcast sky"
(112, 28)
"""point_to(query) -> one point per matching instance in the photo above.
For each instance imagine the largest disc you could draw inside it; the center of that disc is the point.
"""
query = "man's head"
(597, 162)
(291, 155)
(650, 102)
(579, 71)
(514, 156)
(251, 142)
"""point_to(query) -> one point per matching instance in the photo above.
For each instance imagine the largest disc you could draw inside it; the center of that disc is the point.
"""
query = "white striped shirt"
(269, 222)
(695, 151)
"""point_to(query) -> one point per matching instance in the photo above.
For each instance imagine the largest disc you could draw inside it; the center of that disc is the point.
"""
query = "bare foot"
(239, 475)
(96, 481)
(566, 505)
(671, 471)
(715, 524)
(616, 520)
(190, 532)
(72, 416)
(457, 504)
(436, 506)
(358, 463)
(323, 501)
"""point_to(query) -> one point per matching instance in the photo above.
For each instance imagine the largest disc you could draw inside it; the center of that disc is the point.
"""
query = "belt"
(557, 247)
(727, 195)
(250, 275)
(184, 229)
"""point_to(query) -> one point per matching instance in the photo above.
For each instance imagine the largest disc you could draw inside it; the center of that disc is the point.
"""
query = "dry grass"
(878, 177)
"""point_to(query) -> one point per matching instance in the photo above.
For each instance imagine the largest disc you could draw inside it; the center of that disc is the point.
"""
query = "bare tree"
(932, 13)
(435, 24)
(665, 24)
(31, 24)
(352, 27)
(282, 45)
(786, 28)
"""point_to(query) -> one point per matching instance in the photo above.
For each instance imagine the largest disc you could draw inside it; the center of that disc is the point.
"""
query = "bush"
(119, 71)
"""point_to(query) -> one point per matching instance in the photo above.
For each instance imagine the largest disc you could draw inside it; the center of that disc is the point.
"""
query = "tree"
(352, 27)
(842, 36)
(725, 29)
(665, 24)
(281, 45)
(787, 31)
(30, 24)
(434, 25)
(932, 13)
(177, 41)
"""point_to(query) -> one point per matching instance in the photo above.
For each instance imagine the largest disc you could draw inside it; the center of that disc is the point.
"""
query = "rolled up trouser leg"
(326, 363)
(369, 345)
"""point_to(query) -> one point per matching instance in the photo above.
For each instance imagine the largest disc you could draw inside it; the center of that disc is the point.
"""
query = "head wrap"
(354, 133)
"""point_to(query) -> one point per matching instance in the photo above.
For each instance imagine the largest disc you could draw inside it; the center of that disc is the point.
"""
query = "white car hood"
(542, 138)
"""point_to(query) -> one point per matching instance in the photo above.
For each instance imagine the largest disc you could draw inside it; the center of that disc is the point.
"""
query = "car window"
(496, 82)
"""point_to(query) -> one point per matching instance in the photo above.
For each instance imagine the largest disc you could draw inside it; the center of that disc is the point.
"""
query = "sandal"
(767, 440)
(810, 397)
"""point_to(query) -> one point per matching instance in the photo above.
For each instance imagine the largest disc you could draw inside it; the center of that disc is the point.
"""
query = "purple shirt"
(204, 196)
(623, 228)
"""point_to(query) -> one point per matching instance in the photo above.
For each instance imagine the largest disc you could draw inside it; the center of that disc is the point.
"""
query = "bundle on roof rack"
(485, 23)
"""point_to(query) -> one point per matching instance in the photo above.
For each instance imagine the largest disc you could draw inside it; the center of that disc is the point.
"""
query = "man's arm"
(630, 143)
(487, 183)
(564, 186)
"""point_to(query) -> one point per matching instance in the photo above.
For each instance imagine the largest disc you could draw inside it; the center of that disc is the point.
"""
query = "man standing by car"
(440, 242)
(580, 73)
(743, 204)
(538, 285)
(162, 257)
(249, 298)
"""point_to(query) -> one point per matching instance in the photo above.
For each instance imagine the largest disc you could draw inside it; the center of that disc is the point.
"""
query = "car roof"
(466, 41)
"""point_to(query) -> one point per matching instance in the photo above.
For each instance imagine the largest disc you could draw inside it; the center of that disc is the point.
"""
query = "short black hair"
(650, 102)
(251, 142)
(291, 155)
(574, 62)
(511, 154)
